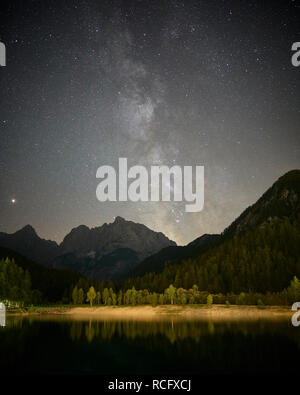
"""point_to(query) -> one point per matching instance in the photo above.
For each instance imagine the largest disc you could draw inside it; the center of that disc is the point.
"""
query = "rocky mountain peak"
(27, 230)
(27, 242)
(119, 220)
(81, 229)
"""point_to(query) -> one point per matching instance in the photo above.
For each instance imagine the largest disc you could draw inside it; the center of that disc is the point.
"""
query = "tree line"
(15, 284)
(181, 296)
(260, 267)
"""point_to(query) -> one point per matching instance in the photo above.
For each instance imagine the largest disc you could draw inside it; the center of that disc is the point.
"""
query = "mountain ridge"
(87, 248)
(280, 200)
(258, 252)
(123, 248)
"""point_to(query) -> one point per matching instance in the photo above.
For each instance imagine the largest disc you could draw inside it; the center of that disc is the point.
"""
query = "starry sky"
(160, 82)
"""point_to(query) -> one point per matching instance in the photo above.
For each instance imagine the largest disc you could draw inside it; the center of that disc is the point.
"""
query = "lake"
(62, 345)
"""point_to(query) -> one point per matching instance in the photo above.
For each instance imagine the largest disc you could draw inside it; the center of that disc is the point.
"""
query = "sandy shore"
(198, 312)
(145, 313)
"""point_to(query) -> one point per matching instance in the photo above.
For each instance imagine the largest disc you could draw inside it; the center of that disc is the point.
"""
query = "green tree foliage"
(171, 291)
(294, 290)
(105, 296)
(91, 295)
(161, 299)
(181, 296)
(98, 297)
(241, 270)
(127, 296)
(154, 299)
(259, 261)
(241, 299)
(80, 296)
(15, 284)
(133, 296)
(49, 284)
(210, 300)
(120, 298)
(75, 295)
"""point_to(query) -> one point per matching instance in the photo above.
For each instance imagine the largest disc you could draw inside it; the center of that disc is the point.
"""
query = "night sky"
(159, 82)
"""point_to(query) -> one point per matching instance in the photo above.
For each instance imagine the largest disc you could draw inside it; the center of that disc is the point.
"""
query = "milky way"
(159, 82)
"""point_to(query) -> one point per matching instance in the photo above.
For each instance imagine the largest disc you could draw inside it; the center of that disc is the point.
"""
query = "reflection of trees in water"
(209, 345)
(171, 330)
(211, 327)
(76, 331)
(90, 331)
(212, 346)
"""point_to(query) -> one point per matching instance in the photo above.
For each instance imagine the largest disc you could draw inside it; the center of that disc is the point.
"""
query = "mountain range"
(106, 252)
(124, 249)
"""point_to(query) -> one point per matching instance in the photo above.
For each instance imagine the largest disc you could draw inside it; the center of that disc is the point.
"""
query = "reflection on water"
(63, 345)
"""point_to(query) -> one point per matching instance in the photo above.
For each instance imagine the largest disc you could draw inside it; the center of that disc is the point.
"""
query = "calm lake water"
(60, 345)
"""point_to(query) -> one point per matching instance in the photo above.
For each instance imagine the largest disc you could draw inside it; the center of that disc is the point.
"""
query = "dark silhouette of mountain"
(124, 248)
(52, 283)
(110, 251)
(115, 265)
(174, 254)
(103, 240)
(105, 252)
(280, 201)
(28, 243)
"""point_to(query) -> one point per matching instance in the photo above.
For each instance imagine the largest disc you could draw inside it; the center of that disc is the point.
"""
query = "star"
(161, 88)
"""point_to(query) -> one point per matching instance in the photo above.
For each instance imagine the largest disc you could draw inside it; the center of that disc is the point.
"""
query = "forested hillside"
(53, 284)
(265, 259)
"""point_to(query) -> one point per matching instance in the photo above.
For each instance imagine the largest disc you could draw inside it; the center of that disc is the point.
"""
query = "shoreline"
(146, 312)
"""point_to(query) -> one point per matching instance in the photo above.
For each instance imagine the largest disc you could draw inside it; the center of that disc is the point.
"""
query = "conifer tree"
(75, 295)
(80, 296)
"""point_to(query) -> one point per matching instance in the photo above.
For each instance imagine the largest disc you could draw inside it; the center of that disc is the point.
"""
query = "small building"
(2, 314)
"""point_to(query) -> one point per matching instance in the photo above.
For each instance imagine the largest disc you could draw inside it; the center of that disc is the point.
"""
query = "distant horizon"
(58, 242)
(77, 226)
